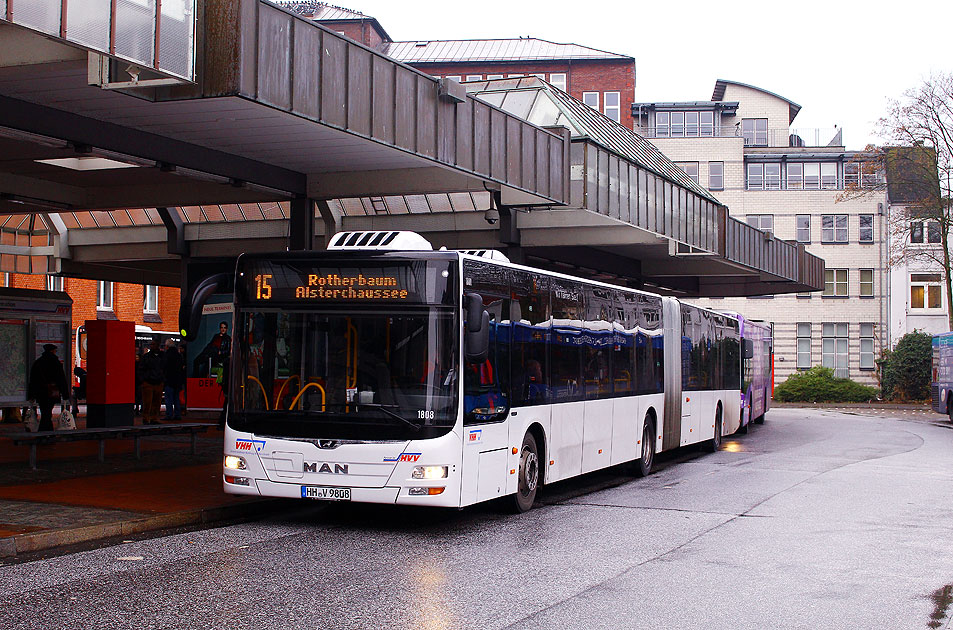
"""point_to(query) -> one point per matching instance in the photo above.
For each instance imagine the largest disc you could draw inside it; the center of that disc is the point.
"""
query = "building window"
(706, 123)
(591, 99)
(755, 132)
(835, 283)
(661, 124)
(491, 77)
(4, 279)
(716, 175)
(803, 345)
(764, 222)
(612, 109)
(834, 228)
(866, 283)
(803, 228)
(925, 291)
(54, 283)
(933, 231)
(755, 180)
(828, 175)
(678, 124)
(916, 232)
(795, 176)
(455, 77)
(104, 295)
(150, 299)
(474, 77)
(558, 80)
(764, 176)
(690, 168)
(867, 346)
(866, 228)
(812, 176)
(835, 349)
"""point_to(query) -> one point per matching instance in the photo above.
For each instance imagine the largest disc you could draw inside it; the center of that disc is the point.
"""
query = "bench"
(106, 433)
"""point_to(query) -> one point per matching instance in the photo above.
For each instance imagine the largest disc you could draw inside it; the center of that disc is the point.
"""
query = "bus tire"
(528, 478)
(714, 444)
(760, 419)
(643, 465)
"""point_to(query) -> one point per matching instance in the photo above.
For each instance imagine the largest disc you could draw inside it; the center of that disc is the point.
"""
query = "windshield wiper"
(388, 410)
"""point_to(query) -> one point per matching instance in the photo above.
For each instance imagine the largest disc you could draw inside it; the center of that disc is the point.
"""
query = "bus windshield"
(345, 375)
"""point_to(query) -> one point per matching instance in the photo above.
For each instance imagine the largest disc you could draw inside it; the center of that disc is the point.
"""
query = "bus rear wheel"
(643, 466)
(528, 481)
(715, 443)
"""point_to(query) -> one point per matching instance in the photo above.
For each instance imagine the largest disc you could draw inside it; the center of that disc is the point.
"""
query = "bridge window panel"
(567, 340)
(529, 354)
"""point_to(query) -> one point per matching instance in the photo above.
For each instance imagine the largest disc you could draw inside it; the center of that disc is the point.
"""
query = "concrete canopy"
(283, 113)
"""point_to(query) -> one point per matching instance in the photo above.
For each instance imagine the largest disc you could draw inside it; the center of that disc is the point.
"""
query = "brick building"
(600, 79)
(791, 184)
(156, 307)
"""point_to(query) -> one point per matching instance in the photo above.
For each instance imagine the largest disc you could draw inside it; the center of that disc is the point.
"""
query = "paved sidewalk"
(73, 497)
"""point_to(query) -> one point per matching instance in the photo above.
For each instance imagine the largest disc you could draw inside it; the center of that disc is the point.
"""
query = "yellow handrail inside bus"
(264, 395)
(303, 390)
(282, 390)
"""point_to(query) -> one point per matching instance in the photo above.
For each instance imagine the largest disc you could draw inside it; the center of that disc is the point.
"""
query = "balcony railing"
(763, 138)
(154, 34)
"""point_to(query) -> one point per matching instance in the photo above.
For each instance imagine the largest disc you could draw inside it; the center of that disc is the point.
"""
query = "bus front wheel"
(528, 475)
(643, 466)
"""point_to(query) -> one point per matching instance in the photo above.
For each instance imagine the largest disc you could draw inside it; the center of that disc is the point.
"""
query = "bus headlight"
(429, 472)
(235, 463)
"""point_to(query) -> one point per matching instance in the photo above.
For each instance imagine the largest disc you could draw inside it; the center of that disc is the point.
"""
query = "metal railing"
(763, 138)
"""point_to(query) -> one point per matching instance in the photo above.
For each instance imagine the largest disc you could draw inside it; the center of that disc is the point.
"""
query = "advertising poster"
(13, 360)
(207, 355)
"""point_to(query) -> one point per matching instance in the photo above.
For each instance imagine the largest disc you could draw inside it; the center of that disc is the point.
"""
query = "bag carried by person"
(31, 420)
(66, 422)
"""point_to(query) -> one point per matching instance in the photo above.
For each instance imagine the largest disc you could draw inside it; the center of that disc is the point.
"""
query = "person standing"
(47, 385)
(153, 379)
(174, 370)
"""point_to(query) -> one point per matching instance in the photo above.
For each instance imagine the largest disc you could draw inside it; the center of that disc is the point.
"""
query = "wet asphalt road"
(818, 519)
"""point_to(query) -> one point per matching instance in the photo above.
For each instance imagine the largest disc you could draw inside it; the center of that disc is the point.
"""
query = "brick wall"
(127, 301)
(581, 75)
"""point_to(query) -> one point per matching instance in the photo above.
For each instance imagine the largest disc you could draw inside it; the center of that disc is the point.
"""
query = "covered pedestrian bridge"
(126, 156)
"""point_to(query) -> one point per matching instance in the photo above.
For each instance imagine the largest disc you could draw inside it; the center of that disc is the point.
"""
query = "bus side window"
(530, 337)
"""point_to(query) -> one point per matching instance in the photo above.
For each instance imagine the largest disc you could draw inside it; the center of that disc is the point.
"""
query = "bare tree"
(918, 163)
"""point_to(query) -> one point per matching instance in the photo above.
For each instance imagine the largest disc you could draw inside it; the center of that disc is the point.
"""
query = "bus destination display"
(335, 287)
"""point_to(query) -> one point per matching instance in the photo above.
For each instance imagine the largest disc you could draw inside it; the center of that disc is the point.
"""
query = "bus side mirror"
(190, 310)
(476, 333)
(747, 348)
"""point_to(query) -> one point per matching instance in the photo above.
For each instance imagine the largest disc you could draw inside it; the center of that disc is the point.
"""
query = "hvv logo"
(247, 445)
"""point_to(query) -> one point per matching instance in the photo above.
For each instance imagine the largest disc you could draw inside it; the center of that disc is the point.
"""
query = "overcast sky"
(840, 60)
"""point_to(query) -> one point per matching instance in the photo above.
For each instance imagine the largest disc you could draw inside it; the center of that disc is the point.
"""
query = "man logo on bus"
(339, 469)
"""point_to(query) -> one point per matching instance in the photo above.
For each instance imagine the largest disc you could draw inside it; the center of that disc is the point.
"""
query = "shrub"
(906, 372)
(820, 385)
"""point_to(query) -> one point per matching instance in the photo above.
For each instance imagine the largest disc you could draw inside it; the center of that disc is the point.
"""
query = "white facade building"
(791, 184)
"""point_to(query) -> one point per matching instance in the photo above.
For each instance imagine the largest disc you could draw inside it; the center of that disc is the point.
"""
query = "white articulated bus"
(383, 371)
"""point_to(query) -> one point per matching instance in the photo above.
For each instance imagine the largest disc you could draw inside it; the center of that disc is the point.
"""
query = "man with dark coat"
(47, 385)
